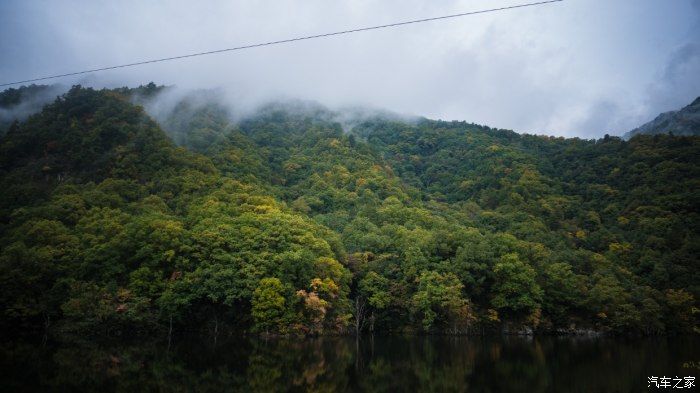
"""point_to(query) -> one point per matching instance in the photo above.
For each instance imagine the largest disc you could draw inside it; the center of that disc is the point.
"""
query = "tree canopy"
(280, 222)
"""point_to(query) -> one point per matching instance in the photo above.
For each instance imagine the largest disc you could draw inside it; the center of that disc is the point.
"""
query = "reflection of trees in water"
(305, 365)
(416, 364)
(379, 364)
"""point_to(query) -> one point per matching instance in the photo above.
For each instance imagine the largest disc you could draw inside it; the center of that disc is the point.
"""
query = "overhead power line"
(310, 37)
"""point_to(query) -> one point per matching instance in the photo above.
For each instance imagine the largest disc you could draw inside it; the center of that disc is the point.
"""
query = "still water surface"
(372, 364)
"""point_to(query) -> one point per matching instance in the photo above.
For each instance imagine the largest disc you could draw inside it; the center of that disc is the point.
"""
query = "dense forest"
(291, 221)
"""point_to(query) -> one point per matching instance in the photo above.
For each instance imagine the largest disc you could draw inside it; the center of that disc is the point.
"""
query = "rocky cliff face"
(682, 122)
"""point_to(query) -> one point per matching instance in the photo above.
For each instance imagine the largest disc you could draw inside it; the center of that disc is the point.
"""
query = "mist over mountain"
(170, 105)
(174, 108)
(16, 104)
(515, 69)
(685, 121)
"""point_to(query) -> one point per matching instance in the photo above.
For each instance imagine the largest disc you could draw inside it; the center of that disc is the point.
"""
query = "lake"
(371, 364)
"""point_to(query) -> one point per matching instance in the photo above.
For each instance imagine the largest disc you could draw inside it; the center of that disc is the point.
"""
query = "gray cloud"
(576, 68)
(678, 80)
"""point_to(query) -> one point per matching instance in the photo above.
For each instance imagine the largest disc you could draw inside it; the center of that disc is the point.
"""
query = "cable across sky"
(310, 37)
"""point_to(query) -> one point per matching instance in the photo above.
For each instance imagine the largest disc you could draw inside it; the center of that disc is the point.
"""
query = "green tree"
(562, 292)
(515, 290)
(268, 305)
(439, 301)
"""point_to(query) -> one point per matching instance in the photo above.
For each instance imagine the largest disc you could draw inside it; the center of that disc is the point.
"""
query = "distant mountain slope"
(682, 122)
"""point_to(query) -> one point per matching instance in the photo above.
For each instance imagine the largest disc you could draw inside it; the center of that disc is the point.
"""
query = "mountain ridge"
(685, 121)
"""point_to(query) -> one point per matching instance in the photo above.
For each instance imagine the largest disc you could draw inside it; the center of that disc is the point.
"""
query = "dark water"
(379, 364)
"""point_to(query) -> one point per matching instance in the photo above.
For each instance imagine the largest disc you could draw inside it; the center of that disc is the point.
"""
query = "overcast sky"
(576, 68)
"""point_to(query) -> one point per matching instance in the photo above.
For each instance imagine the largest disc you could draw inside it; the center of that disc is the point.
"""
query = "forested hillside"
(291, 221)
